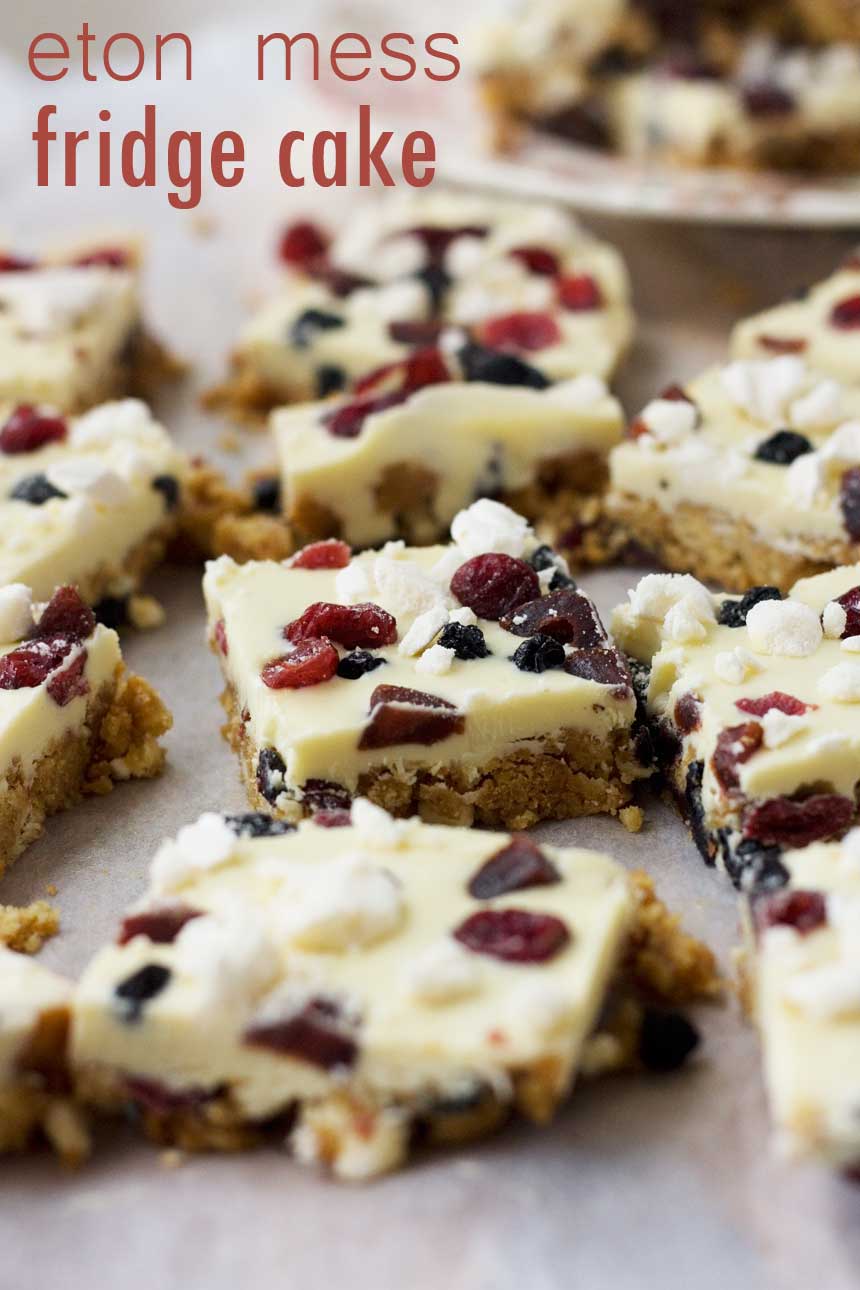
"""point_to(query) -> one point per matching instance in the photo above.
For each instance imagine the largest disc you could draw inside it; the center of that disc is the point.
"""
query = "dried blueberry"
(267, 493)
(466, 642)
(666, 1041)
(35, 489)
(358, 663)
(305, 328)
(330, 379)
(538, 653)
(543, 557)
(783, 447)
(326, 795)
(168, 486)
(256, 824)
(751, 866)
(271, 769)
(733, 613)
(318, 1034)
(694, 811)
(112, 611)
(436, 281)
(139, 988)
(497, 368)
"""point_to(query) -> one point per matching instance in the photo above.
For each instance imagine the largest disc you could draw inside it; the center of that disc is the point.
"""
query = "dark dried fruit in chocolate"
(850, 602)
(513, 935)
(333, 819)
(358, 663)
(139, 988)
(66, 614)
(161, 926)
(566, 615)
(168, 486)
(846, 314)
(497, 368)
(539, 653)
(735, 746)
(364, 626)
(27, 429)
(520, 331)
(70, 683)
(606, 666)
(537, 260)
(494, 584)
(302, 243)
(766, 99)
(751, 866)
(329, 379)
(467, 642)
(783, 447)
(271, 769)
(416, 331)
(310, 323)
(849, 502)
(802, 910)
(331, 553)
(35, 489)
(423, 367)
(782, 344)
(693, 810)
(399, 715)
(688, 714)
(16, 264)
(786, 822)
(256, 824)
(219, 631)
(776, 701)
(515, 867)
(312, 661)
(580, 292)
(27, 666)
(318, 1034)
(666, 1040)
(326, 795)
(733, 613)
(266, 494)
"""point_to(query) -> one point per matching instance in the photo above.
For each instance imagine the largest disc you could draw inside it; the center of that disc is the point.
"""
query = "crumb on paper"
(51, 889)
(203, 225)
(172, 1158)
(632, 817)
(26, 928)
(146, 613)
(664, 962)
(229, 441)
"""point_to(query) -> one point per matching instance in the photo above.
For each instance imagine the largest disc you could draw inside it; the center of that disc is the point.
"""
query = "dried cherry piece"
(318, 1034)
(606, 666)
(139, 988)
(220, 633)
(29, 665)
(766, 99)
(27, 429)
(399, 715)
(566, 615)
(312, 661)
(514, 935)
(537, 260)
(437, 238)
(520, 331)
(776, 701)
(339, 819)
(364, 626)
(494, 585)
(326, 795)
(688, 714)
(782, 344)
(416, 331)
(302, 243)
(735, 745)
(66, 614)
(161, 926)
(782, 821)
(518, 865)
(426, 366)
(71, 683)
(846, 314)
(849, 501)
(803, 910)
(105, 257)
(328, 554)
(580, 292)
(850, 602)
(666, 1040)
(16, 264)
(783, 447)
(271, 773)
(347, 421)
(733, 613)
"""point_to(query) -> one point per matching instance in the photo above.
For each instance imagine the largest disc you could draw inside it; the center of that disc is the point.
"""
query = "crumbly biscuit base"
(26, 928)
(247, 398)
(561, 776)
(716, 547)
(118, 740)
(38, 1103)
(139, 369)
(128, 575)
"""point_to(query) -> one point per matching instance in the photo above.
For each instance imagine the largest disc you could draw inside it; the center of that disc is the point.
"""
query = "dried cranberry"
(849, 501)
(781, 821)
(767, 100)
(425, 366)
(257, 824)
(71, 683)
(782, 344)
(105, 257)
(580, 292)
(347, 421)
(566, 615)
(399, 715)
(301, 243)
(317, 1034)
(437, 238)
(364, 626)
(602, 665)
(850, 602)
(846, 314)
(160, 1098)
(494, 585)
(520, 331)
(496, 367)
(325, 795)
(688, 714)
(666, 1040)
(733, 613)
(271, 774)
(514, 935)
(338, 819)
(139, 988)
(518, 865)
(220, 633)
(313, 661)
(467, 641)
(537, 260)
(27, 429)
(162, 926)
(775, 701)
(538, 654)
(66, 614)
(802, 910)
(330, 554)
(415, 331)
(675, 393)
(29, 665)
(735, 746)
(783, 447)
(16, 264)
(338, 281)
